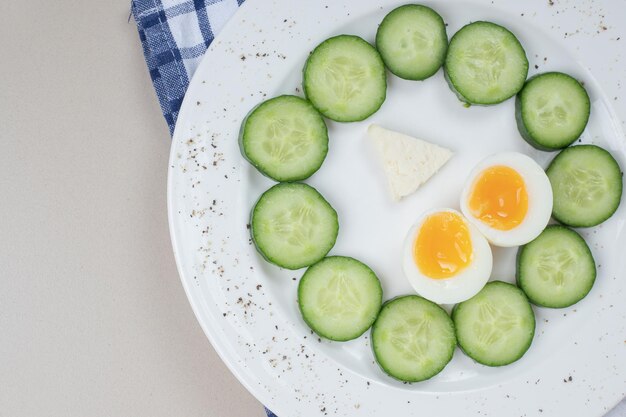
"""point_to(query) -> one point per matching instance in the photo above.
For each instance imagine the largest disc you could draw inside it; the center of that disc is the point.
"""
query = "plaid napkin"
(174, 35)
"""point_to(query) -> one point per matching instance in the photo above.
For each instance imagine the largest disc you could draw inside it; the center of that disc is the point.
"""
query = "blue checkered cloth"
(174, 35)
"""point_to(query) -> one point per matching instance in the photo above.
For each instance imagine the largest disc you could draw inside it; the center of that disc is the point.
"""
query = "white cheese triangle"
(408, 162)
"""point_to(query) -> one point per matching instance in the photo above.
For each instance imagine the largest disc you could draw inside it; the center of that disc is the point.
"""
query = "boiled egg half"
(508, 197)
(446, 259)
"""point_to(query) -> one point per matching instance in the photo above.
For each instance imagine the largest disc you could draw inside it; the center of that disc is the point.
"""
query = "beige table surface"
(93, 319)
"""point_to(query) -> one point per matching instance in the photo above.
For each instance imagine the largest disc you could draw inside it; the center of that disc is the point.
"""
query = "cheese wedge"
(408, 162)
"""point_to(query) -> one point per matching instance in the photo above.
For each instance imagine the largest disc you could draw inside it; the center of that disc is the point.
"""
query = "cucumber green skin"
(271, 260)
(242, 129)
(594, 221)
(453, 87)
(458, 309)
(385, 370)
(521, 126)
(396, 71)
(357, 332)
(458, 95)
(306, 87)
(520, 278)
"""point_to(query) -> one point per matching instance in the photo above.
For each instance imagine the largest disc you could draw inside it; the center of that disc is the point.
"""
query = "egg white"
(462, 286)
(539, 193)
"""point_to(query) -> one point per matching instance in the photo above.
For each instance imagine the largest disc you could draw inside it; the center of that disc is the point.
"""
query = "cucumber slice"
(293, 226)
(285, 138)
(556, 269)
(496, 326)
(485, 64)
(413, 338)
(339, 298)
(412, 41)
(345, 79)
(586, 184)
(552, 110)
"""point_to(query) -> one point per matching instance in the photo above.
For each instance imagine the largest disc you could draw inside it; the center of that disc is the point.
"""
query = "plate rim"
(211, 334)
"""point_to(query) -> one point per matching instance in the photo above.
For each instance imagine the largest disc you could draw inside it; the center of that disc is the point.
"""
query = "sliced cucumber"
(587, 185)
(285, 138)
(345, 79)
(552, 110)
(293, 226)
(556, 269)
(496, 326)
(485, 64)
(412, 41)
(413, 338)
(339, 298)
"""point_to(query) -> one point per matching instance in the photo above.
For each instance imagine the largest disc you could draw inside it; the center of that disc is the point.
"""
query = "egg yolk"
(443, 246)
(499, 198)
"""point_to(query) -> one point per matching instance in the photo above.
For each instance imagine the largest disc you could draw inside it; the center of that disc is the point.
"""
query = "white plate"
(247, 308)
